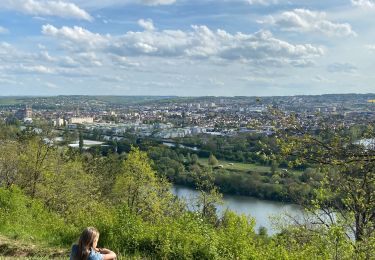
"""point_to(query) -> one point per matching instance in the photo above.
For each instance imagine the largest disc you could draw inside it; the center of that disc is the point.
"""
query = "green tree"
(194, 158)
(9, 160)
(105, 169)
(346, 196)
(80, 141)
(209, 196)
(274, 167)
(69, 136)
(139, 188)
(71, 192)
(36, 157)
(212, 160)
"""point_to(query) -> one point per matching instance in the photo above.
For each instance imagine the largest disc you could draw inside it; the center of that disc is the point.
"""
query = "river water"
(261, 210)
(169, 144)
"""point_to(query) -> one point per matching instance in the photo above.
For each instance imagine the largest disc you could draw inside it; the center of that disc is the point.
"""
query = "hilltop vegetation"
(48, 194)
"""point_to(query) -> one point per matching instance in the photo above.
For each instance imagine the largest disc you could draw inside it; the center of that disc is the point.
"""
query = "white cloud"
(262, 2)
(16, 62)
(47, 8)
(66, 61)
(363, 3)
(146, 24)
(37, 69)
(342, 68)
(370, 47)
(216, 82)
(257, 79)
(90, 58)
(3, 30)
(303, 20)
(99, 4)
(76, 34)
(157, 2)
(8, 80)
(6, 50)
(200, 42)
(5, 45)
(50, 85)
(123, 62)
(322, 79)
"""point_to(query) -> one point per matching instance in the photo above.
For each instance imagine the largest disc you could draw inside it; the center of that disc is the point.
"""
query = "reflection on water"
(180, 145)
(261, 210)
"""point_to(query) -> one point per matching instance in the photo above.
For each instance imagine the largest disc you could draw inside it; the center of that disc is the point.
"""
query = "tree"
(9, 161)
(80, 142)
(69, 191)
(346, 196)
(140, 189)
(194, 158)
(212, 160)
(69, 136)
(105, 169)
(36, 158)
(209, 196)
(8, 132)
(273, 167)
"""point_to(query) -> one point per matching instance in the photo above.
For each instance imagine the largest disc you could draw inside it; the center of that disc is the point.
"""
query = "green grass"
(243, 167)
(9, 101)
(236, 166)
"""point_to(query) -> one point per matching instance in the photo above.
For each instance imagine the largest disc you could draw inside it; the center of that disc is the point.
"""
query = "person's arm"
(107, 254)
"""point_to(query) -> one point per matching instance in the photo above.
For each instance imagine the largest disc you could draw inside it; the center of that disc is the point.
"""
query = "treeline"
(50, 193)
(179, 165)
(245, 147)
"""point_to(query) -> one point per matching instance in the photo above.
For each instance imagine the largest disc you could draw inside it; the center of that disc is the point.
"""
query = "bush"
(26, 218)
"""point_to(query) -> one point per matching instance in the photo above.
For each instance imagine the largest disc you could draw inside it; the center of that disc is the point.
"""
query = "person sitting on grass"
(87, 247)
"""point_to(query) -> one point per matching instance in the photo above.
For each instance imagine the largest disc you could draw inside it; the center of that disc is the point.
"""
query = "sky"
(186, 47)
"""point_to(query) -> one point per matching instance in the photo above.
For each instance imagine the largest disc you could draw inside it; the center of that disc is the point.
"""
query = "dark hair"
(85, 243)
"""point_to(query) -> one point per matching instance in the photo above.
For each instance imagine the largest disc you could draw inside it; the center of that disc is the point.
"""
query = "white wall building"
(81, 120)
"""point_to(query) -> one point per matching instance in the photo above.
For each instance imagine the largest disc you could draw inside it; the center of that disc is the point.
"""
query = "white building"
(58, 122)
(81, 120)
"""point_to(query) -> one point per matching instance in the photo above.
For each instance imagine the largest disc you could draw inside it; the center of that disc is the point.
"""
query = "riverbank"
(254, 180)
(261, 210)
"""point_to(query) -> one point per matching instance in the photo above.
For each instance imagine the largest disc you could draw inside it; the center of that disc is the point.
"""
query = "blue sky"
(186, 47)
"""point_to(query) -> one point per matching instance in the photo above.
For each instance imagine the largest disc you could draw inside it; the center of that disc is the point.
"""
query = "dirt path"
(14, 249)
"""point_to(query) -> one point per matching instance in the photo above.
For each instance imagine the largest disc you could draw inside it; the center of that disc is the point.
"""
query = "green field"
(5, 101)
(244, 167)
(238, 166)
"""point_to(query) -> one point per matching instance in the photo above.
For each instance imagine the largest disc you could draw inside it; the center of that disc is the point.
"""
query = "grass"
(236, 166)
(244, 167)
(16, 249)
(9, 101)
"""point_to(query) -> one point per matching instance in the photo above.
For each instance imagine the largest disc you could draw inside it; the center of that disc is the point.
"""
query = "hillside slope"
(15, 249)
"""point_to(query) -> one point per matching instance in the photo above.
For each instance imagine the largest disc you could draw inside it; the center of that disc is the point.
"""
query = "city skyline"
(186, 48)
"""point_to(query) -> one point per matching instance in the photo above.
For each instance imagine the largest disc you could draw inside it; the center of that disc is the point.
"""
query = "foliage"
(345, 199)
(23, 217)
(139, 187)
(236, 178)
(48, 194)
(212, 160)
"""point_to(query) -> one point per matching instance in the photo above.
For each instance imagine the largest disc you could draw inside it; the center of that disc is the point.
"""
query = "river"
(170, 144)
(261, 210)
